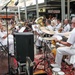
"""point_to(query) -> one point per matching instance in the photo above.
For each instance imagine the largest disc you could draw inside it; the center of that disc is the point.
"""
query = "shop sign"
(53, 11)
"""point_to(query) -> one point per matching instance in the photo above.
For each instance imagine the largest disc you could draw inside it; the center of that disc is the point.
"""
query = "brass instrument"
(53, 42)
(40, 21)
(53, 51)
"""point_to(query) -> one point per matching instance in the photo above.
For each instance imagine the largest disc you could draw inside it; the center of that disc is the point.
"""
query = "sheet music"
(22, 29)
(35, 27)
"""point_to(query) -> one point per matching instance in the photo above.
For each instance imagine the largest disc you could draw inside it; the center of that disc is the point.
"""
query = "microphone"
(16, 2)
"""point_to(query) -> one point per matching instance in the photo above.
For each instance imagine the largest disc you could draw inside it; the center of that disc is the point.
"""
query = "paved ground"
(4, 67)
(3, 64)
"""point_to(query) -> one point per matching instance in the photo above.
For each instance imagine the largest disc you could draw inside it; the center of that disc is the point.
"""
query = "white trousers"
(63, 51)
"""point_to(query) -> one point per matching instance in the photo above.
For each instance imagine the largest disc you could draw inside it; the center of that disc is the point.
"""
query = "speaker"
(24, 46)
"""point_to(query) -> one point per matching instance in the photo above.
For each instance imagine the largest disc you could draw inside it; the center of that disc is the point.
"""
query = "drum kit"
(51, 39)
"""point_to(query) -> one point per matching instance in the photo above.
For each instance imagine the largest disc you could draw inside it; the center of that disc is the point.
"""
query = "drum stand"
(47, 54)
(46, 57)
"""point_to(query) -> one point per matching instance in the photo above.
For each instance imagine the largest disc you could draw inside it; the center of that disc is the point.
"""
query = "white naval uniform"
(10, 41)
(49, 27)
(57, 27)
(66, 50)
(66, 28)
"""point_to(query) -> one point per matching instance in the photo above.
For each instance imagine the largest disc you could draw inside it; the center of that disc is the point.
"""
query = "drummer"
(69, 48)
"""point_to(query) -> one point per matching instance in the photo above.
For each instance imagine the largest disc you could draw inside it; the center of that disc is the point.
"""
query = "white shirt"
(66, 28)
(49, 27)
(57, 27)
(71, 38)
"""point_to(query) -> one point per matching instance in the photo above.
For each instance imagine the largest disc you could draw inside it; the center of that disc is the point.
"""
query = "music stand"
(5, 7)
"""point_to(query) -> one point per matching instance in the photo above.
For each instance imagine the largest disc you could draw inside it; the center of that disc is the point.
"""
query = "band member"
(58, 26)
(69, 48)
(66, 27)
(4, 37)
(48, 25)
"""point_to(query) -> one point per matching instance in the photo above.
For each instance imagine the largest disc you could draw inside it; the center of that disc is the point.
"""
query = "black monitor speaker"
(24, 46)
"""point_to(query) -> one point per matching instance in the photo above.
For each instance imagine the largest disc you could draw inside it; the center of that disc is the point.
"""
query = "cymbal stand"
(46, 55)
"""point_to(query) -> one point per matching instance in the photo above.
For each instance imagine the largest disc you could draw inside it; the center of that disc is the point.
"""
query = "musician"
(28, 27)
(38, 33)
(68, 49)
(38, 41)
(66, 27)
(14, 28)
(48, 25)
(3, 39)
(58, 26)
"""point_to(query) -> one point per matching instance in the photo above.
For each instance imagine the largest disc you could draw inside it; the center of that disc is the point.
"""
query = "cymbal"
(49, 38)
(66, 36)
(67, 33)
(43, 29)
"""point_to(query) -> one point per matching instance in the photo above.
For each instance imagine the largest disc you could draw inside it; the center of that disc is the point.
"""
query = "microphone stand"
(8, 43)
(5, 7)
